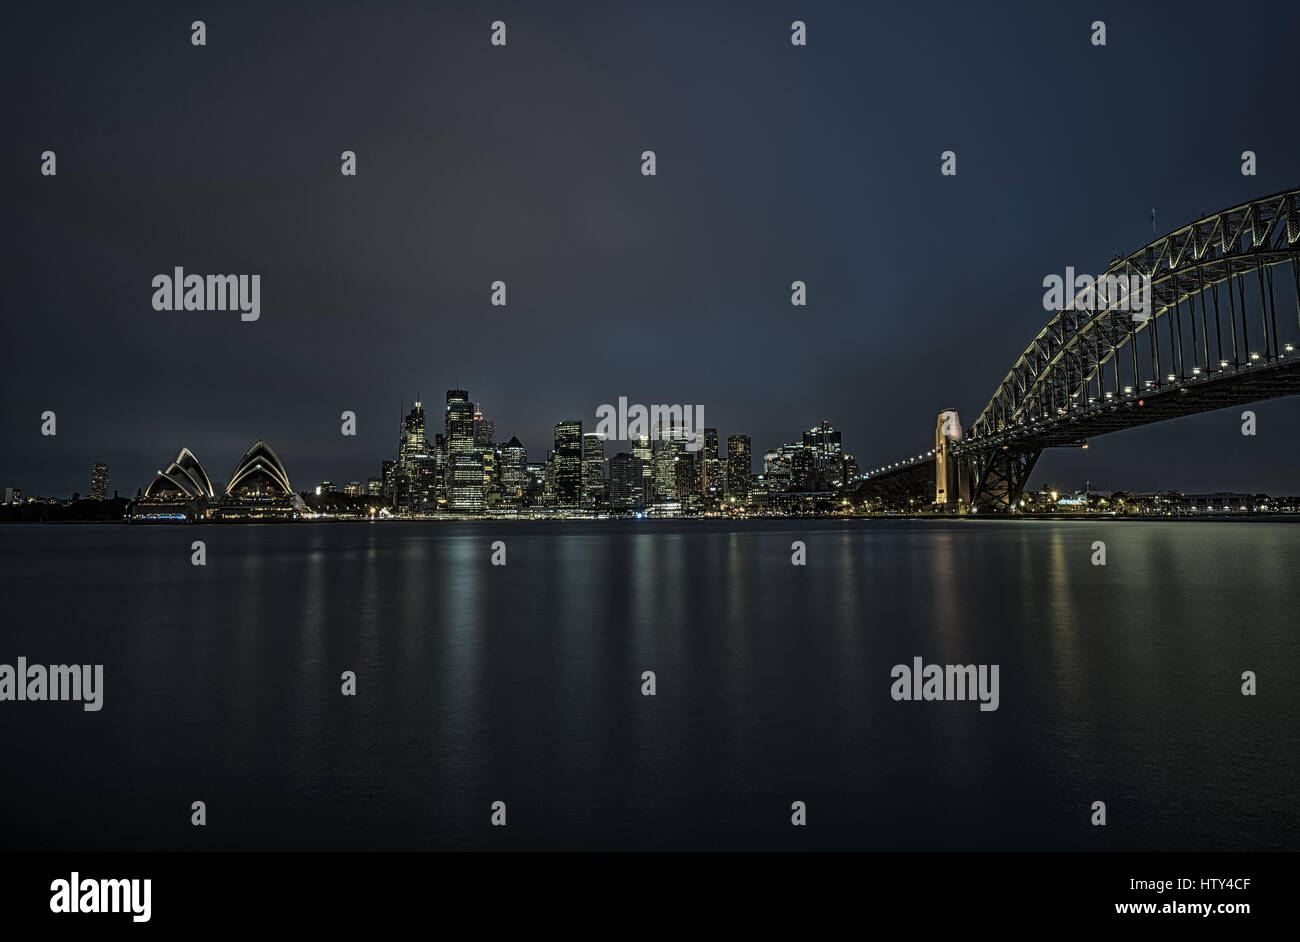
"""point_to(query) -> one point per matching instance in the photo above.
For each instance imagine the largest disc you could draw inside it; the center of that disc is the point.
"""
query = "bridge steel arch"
(1211, 339)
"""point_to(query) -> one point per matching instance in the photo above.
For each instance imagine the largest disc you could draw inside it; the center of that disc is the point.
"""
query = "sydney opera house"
(259, 489)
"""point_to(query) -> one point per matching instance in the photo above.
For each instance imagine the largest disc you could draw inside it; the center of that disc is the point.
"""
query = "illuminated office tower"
(423, 484)
(711, 483)
(792, 465)
(548, 479)
(776, 469)
(568, 463)
(535, 482)
(484, 429)
(739, 468)
(686, 477)
(669, 444)
(625, 482)
(440, 464)
(645, 454)
(664, 458)
(99, 481)
(491, 476)
(408, 474)
(464, 466)
(465, 491)
(824, 441)
(593, 469)
(514, 471)
(825, 456)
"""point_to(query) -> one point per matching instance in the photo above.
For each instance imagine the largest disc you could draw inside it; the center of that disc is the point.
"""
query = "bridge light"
(1196, 371)
(1288, 348)
(1254, 356)
(1171, 377)
(1223, 364)
(1128, 390)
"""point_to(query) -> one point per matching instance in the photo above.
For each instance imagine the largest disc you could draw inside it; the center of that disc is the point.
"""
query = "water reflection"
(523, 683)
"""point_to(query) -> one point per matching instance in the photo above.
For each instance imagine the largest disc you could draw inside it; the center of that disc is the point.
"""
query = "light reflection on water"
(522, 683)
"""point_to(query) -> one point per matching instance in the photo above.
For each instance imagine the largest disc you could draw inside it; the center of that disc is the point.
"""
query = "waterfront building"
(593, 469)
(626, 482)
(568, 463)
(739, 468)
(99, 481)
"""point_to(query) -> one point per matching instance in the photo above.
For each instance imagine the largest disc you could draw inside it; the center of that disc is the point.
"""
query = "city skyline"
(1074, 473)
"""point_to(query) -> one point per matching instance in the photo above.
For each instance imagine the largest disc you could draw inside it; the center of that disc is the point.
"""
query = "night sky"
(478, 163)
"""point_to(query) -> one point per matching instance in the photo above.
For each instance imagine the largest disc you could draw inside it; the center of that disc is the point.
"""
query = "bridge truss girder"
(1000, 476)
(1094, 340)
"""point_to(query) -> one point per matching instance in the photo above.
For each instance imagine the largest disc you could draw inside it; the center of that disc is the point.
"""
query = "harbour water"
(523, 684)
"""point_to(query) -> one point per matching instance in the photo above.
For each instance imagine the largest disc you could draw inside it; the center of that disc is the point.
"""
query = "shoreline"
(974, 518)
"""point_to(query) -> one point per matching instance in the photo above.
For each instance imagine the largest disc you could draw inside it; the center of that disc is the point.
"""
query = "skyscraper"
(464, 463)
(593, 469)
(548, 479)
(665, 450)
(686, 478)
(625, 482)
(739, 468)
(413, 475)
(491, 476)
(776, 469)
(568, 463)
(645, 454)
(711, 482)
(535, 486)
(514, 471)
(458, 422)
(824, 442)
(99, 481)
(825, 457)
(484, 429)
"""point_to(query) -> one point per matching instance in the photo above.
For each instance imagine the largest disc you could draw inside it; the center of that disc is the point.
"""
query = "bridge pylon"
(951, 475)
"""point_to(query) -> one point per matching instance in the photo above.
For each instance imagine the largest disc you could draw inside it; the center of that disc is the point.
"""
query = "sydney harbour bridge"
(1211, 337)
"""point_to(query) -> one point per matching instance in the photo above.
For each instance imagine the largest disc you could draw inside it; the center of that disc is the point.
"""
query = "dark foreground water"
(523, 684)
